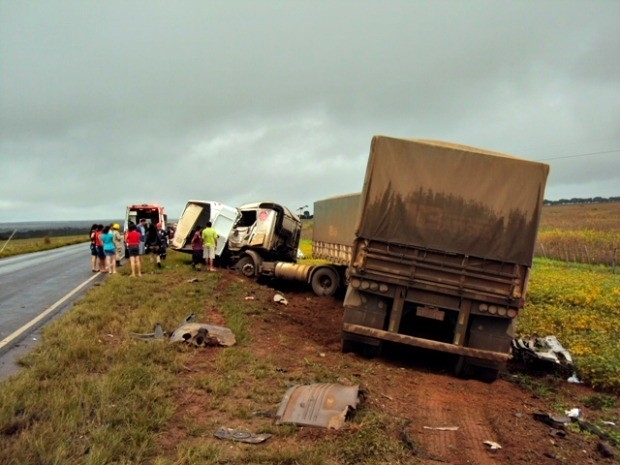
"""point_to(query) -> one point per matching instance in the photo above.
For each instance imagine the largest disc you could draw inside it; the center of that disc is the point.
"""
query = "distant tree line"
(35, 233)
(575, 201)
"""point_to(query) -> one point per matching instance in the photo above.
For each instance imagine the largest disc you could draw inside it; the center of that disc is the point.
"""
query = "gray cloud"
(103, 104)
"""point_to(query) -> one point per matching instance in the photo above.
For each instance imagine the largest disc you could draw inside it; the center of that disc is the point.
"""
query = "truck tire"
(325, 281)
(246, 266)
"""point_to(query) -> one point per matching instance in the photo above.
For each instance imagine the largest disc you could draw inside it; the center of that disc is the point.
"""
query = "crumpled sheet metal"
(546, 349)
(323, 405)
(202, 335)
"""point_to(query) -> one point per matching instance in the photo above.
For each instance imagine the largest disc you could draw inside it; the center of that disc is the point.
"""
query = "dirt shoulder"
(440, 418)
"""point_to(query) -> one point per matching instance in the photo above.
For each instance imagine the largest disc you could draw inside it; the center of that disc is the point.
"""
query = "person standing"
(93, 249)
(209, 239)
(197, 248)
(154, 244)
(119, 243)
(99, 245)
(142, 229)
(109, 249)
(164, 240)
(132, 238)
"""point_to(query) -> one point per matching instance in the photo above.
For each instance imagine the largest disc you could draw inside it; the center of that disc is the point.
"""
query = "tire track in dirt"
(440, 408)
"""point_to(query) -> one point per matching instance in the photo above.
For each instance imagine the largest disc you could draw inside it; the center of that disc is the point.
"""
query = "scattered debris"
(555, 421)
(543, 353)
(325, 405)
(574, 379)
(609, 423)
(280, 299)
(202, 335)
(573, 413)
(593, 429)
(557, 433)
(197, 334)
(605, 449)
(492, 445)
(193, 280)
(241, 435)
(249, 297)
(442, 428)
(157, 335)
(414, 446)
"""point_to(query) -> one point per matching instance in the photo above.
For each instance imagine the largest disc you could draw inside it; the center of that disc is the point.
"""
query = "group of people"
(107, 246)
(204, 242)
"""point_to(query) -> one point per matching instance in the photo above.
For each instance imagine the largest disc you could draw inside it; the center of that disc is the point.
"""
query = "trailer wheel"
(325, 281)
(246, 266)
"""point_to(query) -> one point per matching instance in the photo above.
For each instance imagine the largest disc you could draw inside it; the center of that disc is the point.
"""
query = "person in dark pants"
(197, 249)
(99, 245)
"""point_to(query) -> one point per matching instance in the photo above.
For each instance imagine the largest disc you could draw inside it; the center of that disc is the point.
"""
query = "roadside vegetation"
(12, 247)
(92, 394)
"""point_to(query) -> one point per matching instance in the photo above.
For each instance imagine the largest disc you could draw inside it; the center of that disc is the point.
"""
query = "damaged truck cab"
(443, 249)
(250, 236)
(264, 232)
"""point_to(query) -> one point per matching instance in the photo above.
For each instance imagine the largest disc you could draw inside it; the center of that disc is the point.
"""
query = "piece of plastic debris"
(241, 435)
(280, 299)
(492, 445)
(574, 379)
(442, 428)
(193, 280)
(573, 413)
(609, 423)
(249, 297)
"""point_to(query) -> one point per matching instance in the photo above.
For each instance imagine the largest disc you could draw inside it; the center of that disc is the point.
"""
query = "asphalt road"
(35, 288)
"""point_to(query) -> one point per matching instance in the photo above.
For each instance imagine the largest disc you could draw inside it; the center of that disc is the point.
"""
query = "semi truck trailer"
(442, 251)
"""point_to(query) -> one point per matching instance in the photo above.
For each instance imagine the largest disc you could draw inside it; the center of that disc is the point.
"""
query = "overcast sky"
(110, 103)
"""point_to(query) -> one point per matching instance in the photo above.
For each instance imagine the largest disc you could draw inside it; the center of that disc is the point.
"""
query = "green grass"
(92, 394)
(580, 305)
(21, 246)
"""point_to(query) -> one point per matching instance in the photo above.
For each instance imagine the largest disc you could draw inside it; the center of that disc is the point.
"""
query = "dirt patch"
(442, 419)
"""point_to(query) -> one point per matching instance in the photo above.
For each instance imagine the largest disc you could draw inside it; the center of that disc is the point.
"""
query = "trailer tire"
(325, 281)
(246, 266)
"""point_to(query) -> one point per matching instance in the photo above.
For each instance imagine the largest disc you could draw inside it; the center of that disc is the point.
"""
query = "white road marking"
(17, 333)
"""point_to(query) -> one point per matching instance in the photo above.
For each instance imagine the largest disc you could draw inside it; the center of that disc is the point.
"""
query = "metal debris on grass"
(325, 405)
(202, 335)
(543, 353)
(241, 435)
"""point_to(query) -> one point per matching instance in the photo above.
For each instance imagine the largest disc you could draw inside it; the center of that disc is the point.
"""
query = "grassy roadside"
(93, 394)
(38, 244)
